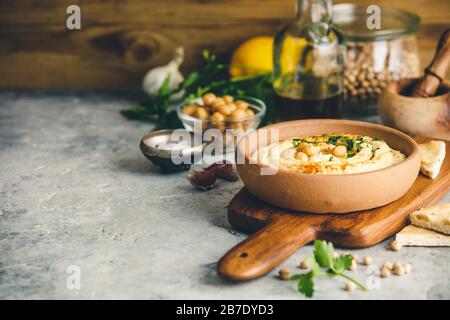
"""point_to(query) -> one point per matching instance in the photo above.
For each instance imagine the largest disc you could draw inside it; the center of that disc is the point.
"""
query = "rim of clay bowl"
(409, 158)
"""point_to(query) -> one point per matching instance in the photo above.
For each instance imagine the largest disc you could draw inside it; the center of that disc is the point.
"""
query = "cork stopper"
(435, 72)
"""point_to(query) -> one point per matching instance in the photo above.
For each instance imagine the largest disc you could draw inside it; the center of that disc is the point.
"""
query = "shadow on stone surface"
(136, 165)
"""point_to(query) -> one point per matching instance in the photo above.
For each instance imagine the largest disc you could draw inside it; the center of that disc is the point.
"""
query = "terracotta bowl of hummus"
(327, 166)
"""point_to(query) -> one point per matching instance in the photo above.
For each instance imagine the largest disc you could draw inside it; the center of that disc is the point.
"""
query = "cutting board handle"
(267, 248)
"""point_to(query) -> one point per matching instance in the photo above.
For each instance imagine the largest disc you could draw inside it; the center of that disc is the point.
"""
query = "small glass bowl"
(258, 107)
(231, 130)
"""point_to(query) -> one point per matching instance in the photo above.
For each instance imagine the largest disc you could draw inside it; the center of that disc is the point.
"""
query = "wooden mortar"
(415, 115)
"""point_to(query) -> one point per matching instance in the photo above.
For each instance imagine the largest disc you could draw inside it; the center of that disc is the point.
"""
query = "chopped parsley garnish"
(331, 158)
(350, 144)
(296, 142)
(333, 139)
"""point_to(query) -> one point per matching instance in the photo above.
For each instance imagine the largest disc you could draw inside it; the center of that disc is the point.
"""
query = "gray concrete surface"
(76, 194)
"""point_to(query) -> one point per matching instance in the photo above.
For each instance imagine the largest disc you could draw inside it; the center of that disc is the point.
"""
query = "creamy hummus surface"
(328, 154)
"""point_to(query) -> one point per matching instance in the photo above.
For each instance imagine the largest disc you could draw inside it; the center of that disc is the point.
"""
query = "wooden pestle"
(435, 72)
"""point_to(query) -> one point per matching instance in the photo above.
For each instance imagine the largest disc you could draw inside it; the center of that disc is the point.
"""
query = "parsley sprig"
(323, 259)
(212, 76)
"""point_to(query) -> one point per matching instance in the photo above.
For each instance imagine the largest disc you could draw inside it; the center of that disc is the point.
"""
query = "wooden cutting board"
(282, 232)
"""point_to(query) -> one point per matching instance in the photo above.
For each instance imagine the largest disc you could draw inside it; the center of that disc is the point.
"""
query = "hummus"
(328, 154)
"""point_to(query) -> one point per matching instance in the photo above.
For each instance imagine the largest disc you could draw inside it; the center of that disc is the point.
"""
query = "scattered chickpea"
(388, 265)
(385, 272)
(303, 265)
(396, 246)
(353, 266)
(399, 270)
(190, 109)
(301, 156)
(307, 148)
(367, 260)
(209, 98)
(238, 114)
(241, 104)
(201, 113)
(284, 274)
(407, 268)
(350, 286)
(355, 257)
(396, 265)
(228, 99)
(339, 151)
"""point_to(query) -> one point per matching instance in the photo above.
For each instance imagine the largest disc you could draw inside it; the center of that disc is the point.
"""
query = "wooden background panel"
(120, 40)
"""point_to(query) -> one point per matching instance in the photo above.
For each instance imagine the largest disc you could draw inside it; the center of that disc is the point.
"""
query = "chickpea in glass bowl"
(232, 116)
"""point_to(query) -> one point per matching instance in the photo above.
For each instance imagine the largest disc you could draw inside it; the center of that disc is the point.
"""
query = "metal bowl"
(161, 146)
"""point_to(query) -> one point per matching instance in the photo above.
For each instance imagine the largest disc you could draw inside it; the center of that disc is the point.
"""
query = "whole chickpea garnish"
(227, 109)
(385, 272)
(249, 112)
(190, 109)
(367, 260)
(238, 114)
(303, 265)
(353, 266)
(395, 246)
(201, 113)
(241, 104)
(301, 156)
(218, 102)
(307, 148)
(284, 274)
(350, 286)
(217, 117)
(340, 151)
(399, 270)
(209, 98)
(388, 265)
(228, 99)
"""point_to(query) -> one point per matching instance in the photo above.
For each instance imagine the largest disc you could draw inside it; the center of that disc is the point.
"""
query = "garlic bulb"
(154, 78)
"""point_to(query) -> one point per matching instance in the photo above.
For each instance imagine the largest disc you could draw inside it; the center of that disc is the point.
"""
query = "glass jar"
(308, 64)
(375, 57)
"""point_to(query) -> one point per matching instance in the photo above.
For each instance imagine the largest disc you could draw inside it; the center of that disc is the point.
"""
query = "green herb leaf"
(211, 77)
(306, 284)
(165, 87)
(342, 263)
(333, 140)
(296, 142)
(323, 257)
(296, 277)
(350, 144)
(313, 265)
(323, 252)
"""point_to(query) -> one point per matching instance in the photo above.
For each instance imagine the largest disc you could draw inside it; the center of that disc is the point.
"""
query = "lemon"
(256, 55)
(292, 50)
(253, 56)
